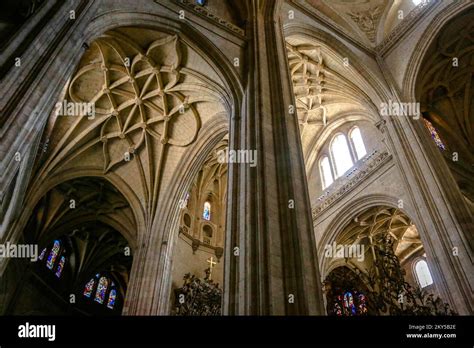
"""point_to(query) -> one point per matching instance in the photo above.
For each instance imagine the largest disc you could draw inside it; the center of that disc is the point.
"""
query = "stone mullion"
(277, 249)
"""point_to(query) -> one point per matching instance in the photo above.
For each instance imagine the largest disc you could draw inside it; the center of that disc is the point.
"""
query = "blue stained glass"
(349, 305)
(362, 304)
(206, 214)
(53, 254)
(101, 289)
(41, 257)
(111, 301)
(59, 270)
(434, 134)
(88, 288)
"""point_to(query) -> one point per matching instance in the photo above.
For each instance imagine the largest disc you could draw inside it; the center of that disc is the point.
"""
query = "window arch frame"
(203, 233)
(62, 253)
(416, 262)
(333, 157)
(352, 145)
(331, 169)
(329, 153)
(112, 284)
(208, 201)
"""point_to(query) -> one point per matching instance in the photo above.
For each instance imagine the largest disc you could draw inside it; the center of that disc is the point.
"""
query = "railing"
(350, 180)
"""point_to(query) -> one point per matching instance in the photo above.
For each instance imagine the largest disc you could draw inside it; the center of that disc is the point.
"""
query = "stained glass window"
(41, 257)
(104, 293)
(111, 301)
(349, 306)
(358, 143)
(341, 154)
(362, 307)
(326, 173)
(59, 270)
(434, 134)
(423, 273)
(101, 289)
(350, 303)
(88, 288)
(338, 309)
(206, 214)
(53, 254)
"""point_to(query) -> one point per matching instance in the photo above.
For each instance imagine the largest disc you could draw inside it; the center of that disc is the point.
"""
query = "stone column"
(271, 265)
(34, 69)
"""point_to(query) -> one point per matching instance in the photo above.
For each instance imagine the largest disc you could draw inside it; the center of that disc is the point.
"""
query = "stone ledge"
(352, 179)
(204, 12)
(402, 28)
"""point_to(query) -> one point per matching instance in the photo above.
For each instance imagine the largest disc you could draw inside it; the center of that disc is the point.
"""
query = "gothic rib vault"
(149, 107)
(162, 109)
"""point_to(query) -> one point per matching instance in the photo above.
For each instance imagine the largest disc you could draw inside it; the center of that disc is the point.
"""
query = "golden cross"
(211, 263)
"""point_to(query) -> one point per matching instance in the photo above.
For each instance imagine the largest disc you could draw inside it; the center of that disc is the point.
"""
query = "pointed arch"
(357, 142)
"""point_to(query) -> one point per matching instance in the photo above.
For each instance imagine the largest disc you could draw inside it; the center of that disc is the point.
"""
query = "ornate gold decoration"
(391, 294)
(198, 297)
(390, 238)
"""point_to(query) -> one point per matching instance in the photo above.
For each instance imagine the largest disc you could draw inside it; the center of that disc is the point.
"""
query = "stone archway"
(91, 228)
(346, 294)
(381, 245)
(444, 88)
(199, 250)
(152, 112)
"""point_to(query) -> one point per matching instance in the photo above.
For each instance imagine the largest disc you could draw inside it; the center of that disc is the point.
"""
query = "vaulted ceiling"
(367, 21)
(379, 222)
(153, 95)
(326, 91)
